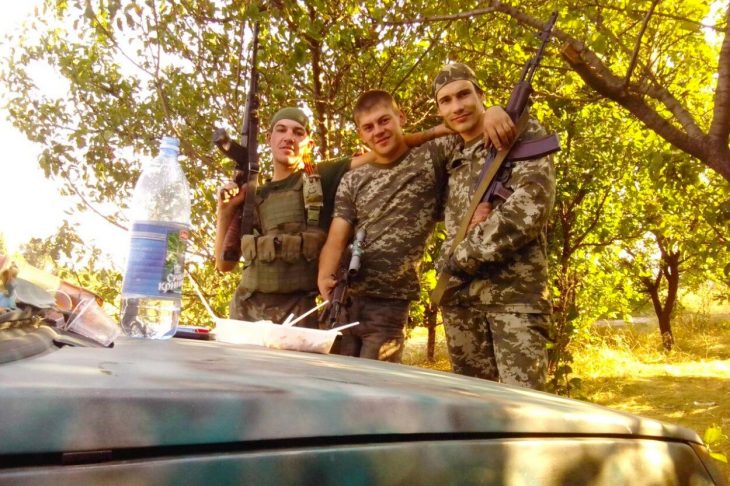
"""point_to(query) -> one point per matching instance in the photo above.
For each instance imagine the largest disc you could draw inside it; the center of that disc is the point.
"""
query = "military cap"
(453, 72)
(291, 113)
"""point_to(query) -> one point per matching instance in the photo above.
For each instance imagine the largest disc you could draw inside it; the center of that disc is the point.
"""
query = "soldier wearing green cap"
(497, 322)
(293, 212)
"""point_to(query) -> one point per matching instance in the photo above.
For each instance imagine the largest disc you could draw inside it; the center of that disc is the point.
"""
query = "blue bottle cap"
(170, 143)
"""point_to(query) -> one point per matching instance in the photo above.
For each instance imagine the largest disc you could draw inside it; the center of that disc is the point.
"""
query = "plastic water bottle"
(160, 215)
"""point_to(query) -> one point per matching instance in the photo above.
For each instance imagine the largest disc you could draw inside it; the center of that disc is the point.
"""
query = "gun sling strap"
(442, 286)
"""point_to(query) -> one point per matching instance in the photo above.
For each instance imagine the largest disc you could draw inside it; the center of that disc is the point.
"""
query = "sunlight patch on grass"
(414, 351)
(626, 369)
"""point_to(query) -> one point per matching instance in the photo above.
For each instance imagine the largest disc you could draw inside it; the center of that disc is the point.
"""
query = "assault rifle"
(349, 269)
(498, 164)
(245, 156)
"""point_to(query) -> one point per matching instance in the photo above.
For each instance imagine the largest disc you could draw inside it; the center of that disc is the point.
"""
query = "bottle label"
(156, 259)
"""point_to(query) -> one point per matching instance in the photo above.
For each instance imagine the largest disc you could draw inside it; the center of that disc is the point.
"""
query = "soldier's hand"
(230, 196)
(326, 285)
(480, 215)
(499, 130)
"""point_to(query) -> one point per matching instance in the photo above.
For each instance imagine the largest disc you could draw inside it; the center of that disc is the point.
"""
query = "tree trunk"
(320, 111)
(669, 270)
(429, 320)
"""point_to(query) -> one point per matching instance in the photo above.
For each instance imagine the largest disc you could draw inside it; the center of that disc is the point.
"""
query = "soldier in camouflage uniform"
(293, 212)
(394, 200)
(497, 321)
(397, 200)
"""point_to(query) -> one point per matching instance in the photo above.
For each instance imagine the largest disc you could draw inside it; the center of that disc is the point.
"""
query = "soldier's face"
(381, 129)
(288, 141)
(462, 108)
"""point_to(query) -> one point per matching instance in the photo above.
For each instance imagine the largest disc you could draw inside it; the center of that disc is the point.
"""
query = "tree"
(134, 71)
(676, 237)
(631, 55)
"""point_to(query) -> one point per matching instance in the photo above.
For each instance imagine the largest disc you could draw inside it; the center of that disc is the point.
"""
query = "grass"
(626, 369)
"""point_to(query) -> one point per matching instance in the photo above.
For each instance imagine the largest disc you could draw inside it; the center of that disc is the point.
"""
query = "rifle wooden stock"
(232, 239)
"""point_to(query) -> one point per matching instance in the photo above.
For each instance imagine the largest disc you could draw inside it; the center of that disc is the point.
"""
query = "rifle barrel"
(545, 36)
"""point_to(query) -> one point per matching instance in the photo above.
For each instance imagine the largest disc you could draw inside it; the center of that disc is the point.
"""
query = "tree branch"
(431, 45)
(635, 55)
(440, 18)
(88, 204)
(597, 76)
(720, 127)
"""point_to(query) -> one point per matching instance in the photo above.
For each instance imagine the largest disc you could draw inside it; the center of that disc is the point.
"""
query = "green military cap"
(453, 72)
(290, 113)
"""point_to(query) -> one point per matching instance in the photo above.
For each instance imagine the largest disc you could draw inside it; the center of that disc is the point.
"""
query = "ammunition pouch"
(291, 248)
(312, 243)
(266, 248)
(283, 263)
(313, 198)
(284, 259)
(248, 248)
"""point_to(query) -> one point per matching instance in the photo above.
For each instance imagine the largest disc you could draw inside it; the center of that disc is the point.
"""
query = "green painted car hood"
(145, 393)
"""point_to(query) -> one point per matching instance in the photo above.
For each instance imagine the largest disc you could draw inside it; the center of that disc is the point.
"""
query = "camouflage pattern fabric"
(398, 205)
(258, 306)
(506, 255)
(453, 72)
(381, 332)
(510, 348)
(491, 319)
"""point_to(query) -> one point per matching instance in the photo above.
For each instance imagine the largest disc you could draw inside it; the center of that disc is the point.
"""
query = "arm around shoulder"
(419, 138)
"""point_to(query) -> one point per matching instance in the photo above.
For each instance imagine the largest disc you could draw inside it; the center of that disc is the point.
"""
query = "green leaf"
(712, 435)
(719, 456)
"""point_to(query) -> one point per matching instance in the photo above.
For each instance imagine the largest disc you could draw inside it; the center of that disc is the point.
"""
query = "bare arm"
(329, 259)
(418, 138)
(499, 130)
(229, 198)
(412, 140)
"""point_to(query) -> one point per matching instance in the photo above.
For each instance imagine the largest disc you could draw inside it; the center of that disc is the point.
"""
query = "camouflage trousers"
(381, 332)
(259, 306)
(505, 347)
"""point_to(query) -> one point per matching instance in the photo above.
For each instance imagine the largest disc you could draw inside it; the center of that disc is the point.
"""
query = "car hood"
(145, 393)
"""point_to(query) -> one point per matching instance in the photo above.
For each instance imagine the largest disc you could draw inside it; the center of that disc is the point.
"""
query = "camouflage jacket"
(398, 205)
(506, 255)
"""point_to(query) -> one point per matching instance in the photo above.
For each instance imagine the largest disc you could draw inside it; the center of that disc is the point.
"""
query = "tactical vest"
(284, 257)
